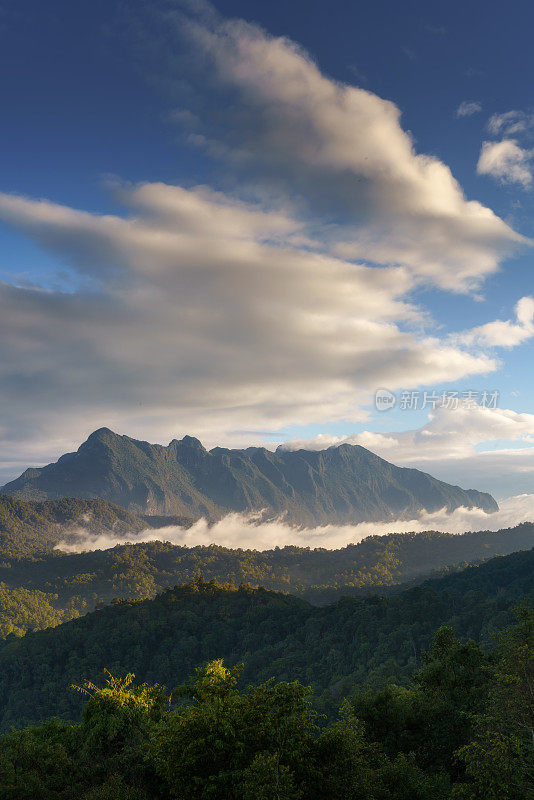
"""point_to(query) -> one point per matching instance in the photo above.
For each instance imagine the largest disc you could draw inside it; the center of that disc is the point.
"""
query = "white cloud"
(506, 161)
(504, 333)
(238, 530)
(468, 108)
(339, 150)
(510, 123)
(450, 433)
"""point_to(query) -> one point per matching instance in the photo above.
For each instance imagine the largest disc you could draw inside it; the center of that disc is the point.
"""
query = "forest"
(41, 586)
(397, 668)
(460, 729)
(351, 643)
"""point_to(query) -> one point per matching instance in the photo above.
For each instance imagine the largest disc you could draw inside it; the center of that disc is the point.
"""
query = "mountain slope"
(335, 648)
(32, 529)
(345, 484)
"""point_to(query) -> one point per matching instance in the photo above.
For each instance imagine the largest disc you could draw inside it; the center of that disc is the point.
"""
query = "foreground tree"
(227, 744)
(464, 730)
(499, 761)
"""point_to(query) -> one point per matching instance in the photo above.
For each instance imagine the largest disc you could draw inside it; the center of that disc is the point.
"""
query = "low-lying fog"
(244, 531)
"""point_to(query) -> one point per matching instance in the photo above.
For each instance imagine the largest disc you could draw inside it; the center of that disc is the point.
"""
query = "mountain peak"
(102, 437)
(191, 442)
(346, 484)
(102, 434)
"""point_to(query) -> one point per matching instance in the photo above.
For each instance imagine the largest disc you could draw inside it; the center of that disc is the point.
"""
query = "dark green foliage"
(433, 717)
(344, 484)
(210, 740)
(499, 760)
(354, 642)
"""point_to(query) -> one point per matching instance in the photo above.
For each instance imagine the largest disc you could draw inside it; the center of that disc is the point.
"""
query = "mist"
(244, 531)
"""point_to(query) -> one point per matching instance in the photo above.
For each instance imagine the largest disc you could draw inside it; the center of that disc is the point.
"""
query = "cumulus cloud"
(241, 531)
(204, 313)
(504, 333)
(506, 161)
(468, 108)
(339, 150)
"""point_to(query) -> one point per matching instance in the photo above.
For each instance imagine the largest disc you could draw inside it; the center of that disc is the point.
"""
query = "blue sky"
(253, 329)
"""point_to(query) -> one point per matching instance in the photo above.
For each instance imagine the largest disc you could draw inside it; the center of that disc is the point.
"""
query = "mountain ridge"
(340, 485)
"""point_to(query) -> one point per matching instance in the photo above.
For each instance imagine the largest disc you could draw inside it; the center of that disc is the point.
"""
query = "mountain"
(336, 648)
(345, 484)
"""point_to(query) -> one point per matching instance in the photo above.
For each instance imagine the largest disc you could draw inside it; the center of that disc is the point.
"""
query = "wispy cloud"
(409, 53)
(468, 108)
(510, 123)
(437, 30)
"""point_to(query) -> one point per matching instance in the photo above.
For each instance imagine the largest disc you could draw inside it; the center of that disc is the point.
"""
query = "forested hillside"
(336, 648)
(32, 529)
(460, 730)
(45, 588)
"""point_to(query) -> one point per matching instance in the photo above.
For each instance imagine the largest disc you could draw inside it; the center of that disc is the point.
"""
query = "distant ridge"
(340, 485)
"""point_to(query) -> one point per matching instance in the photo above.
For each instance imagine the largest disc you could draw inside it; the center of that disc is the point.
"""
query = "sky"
(242, 221)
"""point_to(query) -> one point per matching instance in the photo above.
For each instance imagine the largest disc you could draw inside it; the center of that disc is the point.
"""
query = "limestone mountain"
(344, 484)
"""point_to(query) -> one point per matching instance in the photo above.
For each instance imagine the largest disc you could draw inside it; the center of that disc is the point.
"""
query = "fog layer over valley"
(247, 532)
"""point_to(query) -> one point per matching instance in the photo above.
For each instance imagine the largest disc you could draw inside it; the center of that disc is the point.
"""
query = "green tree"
(499, 761)
(40, 763)
(117, 724)
(227, 744)
(433, 717)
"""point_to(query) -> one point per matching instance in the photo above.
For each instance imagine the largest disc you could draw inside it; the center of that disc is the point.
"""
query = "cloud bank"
(205, 310)
(241, 531)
